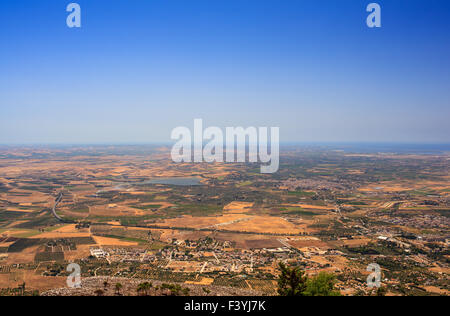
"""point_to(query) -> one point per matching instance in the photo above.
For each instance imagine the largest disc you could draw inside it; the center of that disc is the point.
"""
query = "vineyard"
(49, 257)
(268, 287)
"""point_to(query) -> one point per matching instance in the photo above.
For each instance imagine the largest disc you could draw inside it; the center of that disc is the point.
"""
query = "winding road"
(57, 201)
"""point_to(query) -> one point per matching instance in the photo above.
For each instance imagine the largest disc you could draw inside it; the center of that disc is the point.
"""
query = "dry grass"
(33, 281)
(106, 241)
(237, 207)
(266, 224)
(67, 231)
(203, 281)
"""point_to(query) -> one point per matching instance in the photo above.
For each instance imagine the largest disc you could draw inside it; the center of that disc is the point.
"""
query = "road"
(57, 201)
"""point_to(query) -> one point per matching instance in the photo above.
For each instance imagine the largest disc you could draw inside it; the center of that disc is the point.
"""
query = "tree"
(118, 288)
(381, 291)
(186, 291)
(140, 290)
(292, 281)
(22, 288)
(99, 292)
(144, 288)
(322, 285)
(206, 290)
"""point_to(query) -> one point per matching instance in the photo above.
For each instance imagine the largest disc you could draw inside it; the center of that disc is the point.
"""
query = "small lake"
(177, 181)
(174, 181)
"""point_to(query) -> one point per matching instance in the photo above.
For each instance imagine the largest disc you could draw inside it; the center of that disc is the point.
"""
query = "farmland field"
(209, 226)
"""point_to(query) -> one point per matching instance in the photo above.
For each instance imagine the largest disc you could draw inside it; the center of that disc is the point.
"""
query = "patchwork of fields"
(323, 211)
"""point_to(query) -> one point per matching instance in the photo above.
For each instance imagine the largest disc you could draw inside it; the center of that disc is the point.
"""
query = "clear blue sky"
(139, 68)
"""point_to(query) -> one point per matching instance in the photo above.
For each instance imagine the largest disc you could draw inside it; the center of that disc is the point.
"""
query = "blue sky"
(137, 69)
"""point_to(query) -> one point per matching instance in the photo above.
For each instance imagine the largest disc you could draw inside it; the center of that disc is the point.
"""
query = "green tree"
(292, 281)
(206, 290)
(144, 288)
(186, 291)
(381, 291)
(140, 290)
(118, 288)
(322, 285)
